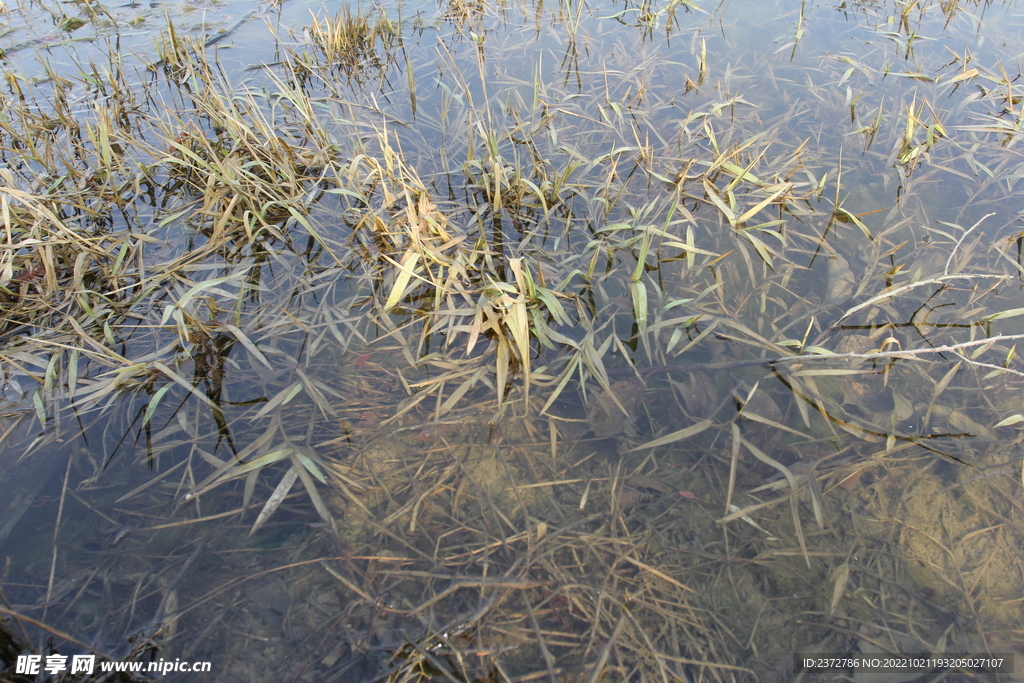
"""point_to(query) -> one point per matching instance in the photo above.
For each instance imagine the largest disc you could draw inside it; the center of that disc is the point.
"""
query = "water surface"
(305, 446)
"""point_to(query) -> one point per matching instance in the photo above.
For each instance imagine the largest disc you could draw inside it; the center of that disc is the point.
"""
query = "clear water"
(505, 544)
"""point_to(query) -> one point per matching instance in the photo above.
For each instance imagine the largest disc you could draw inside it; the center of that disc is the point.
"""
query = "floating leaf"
(247, 343)
(1012, 313)
(638, 293)
(202, 286)
(554, 306)
(153, 403)
(841, 577)
(178, 379)
(281, 398)
(1012, 420)
(310, 487)
(762, 249)
(712, 194)
(966, 75)
(405, 274)
(276, 498)
(37, 401)
(674, 436)
(310, 466)
(750, 213)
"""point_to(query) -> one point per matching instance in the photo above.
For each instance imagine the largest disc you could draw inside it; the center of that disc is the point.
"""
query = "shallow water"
(697, 186)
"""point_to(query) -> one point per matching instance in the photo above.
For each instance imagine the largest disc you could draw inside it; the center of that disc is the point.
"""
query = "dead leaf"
(605, 418)
(841, 576)
(841, 280)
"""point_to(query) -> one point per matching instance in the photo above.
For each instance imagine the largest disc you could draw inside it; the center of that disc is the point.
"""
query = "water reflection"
(460, 347)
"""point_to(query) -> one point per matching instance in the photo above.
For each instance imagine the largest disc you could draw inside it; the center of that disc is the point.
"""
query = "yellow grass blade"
(674, 436)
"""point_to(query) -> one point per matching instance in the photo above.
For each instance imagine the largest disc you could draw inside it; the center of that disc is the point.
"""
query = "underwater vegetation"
(513, 342)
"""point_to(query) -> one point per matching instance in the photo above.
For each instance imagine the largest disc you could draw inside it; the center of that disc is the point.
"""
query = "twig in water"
(905, 288)
(877, 355)
(945, 271)
(1005, 468)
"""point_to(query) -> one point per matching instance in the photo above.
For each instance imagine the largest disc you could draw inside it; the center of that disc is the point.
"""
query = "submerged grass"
(414, 303)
